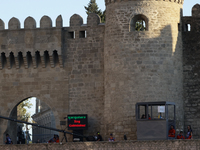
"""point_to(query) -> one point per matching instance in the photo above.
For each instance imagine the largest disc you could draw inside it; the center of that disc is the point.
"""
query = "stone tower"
(143, 65)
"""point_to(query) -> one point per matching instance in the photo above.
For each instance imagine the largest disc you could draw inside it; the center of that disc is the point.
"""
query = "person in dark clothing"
(8, 139)
(99, 137)
(38, 141)
(52, 140)
(143, 116)
(189, 133)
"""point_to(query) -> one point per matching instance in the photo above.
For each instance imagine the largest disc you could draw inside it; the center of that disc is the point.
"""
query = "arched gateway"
(47, 63)
(11, 127)
(40, 117)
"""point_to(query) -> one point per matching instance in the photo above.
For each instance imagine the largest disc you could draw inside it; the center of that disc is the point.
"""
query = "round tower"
(143, 60)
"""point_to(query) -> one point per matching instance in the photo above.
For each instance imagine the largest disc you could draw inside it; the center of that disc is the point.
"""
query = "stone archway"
(11, 127)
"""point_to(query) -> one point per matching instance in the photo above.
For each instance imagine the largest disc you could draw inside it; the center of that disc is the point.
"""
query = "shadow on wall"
(191, 69)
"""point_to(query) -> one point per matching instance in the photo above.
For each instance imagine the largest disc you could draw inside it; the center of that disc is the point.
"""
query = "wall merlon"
(45, 22)
(2, 25)
(196, 11)
(14, 24)
(76, 20)
(93, 19)
(59, 22)
(29, 23)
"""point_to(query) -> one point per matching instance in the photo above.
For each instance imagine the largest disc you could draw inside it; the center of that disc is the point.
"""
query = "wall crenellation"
(19, 60)
(114, 1)
(46, 22)
(32, 45)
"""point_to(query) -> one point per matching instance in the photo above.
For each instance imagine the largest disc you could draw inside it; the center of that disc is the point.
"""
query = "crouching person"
(180, 135)
(172, 132)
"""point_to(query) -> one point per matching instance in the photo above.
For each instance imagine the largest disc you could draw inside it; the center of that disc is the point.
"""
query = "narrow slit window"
(46, 58)
(20, 58)
(29, 59)
(187, 27)
(12, 59)
(3, 60)
(55, 57)
(37, 58)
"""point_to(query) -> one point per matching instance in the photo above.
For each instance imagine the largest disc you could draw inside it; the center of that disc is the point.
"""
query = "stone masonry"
(141, 66)
(103, 70)
(119, 145)
(191, 69)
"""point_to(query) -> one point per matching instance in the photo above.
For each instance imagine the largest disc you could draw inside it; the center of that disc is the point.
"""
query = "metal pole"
(39, 126)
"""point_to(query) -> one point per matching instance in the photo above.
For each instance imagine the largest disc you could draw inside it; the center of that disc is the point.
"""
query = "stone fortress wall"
(191, 69)
(101, 69)
(119, 145)
(61, 66)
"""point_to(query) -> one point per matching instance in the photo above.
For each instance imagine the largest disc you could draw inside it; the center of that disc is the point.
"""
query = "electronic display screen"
(77, 122)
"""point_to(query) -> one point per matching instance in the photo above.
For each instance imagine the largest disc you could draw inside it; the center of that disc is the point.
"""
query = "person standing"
(99, 137)
(111, 139)
(189, 133)
(8, 139)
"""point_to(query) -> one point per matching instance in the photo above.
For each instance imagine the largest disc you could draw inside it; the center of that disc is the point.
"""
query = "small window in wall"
(142, 112)
(29, 59)
(82, 34)
(46, 58)
(71, 35)
(3, 59)
(37, 58)
(139, 23)
(179, 27)
(20, 58)
(187, 27)
(12, 59)
(55, 57)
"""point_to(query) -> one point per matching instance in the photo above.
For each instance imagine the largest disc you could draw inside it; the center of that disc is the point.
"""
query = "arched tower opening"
(139, 23)
(31, 110)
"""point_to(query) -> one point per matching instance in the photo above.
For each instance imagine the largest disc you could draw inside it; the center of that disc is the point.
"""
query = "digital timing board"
(77, 122)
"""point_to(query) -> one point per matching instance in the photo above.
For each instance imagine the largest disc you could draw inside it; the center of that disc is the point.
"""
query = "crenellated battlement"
(115, 1)
(32, 46)
(190, 24)
(46, 22)
(145, 52)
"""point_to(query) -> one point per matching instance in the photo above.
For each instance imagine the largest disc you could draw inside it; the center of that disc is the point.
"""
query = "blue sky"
(37, 8)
